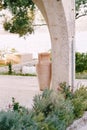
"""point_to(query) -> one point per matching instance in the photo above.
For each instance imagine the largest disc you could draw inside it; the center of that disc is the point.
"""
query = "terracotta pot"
(44, 57)
(44, 75)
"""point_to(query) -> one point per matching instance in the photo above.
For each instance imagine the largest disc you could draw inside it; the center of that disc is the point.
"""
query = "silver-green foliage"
(52, 110)
(55, 108)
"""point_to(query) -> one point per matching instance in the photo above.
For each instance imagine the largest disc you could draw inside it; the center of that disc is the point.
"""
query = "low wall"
(26, 57)
(16, 58)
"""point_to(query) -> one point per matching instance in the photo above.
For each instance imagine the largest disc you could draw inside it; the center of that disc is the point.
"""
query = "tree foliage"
(81, 62)
(79, 2)
(81, 8)
(22, 18)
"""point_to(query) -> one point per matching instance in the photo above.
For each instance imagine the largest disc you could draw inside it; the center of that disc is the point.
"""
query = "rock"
(80, 124)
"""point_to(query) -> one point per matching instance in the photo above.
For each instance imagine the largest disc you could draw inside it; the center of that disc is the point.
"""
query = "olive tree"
(22, 18)
(81, 8)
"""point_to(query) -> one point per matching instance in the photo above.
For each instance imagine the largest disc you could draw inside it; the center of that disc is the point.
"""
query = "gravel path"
(23, 88)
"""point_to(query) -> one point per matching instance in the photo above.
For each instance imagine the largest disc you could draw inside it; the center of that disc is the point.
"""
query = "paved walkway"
(23, 89)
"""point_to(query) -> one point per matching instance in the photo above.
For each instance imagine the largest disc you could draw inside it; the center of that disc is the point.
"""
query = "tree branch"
(78, 16)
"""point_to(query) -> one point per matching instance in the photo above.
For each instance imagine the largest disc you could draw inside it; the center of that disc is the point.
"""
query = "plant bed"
(51, 110)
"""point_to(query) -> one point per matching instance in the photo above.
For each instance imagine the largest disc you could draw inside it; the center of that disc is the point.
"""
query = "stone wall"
(19, 68)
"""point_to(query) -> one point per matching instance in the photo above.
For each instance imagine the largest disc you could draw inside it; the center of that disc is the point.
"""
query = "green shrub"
(52, 103)
(78, 107)
(17, 107)
(13, 120)
(80, 101)
(52, 122)
(78, 98)
(43, 103)
(9, 120)
(81, 61)
(81, 92)
(65, 90)
(52, 110)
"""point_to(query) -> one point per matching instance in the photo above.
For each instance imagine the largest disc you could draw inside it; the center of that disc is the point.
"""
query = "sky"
(81, 41)
(35, 43)
(40, 40)
(81, 34)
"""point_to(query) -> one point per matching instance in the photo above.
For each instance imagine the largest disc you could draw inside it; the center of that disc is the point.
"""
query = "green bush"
(52, 110)
(66, 90)
(9, 120)
(80, 101)
(78, 107)
(52, 103)
(81, 61)
(81, 92)
(78, 98)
